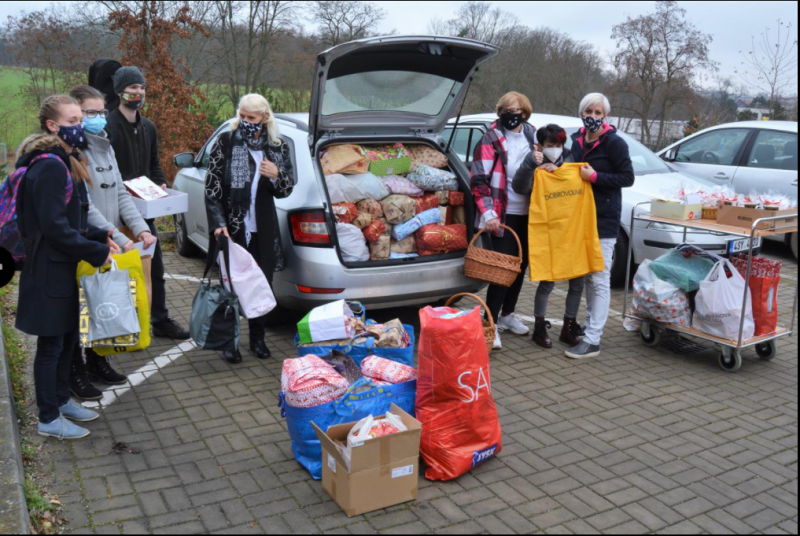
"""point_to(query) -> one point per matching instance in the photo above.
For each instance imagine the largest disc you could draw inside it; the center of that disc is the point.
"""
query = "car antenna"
(458, 117)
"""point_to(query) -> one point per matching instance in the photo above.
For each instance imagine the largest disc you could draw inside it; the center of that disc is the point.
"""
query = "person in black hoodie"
(135, 142)
(52, 206)
(608, 168)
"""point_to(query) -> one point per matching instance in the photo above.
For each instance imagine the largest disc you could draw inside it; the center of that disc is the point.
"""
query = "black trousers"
(158, 307)
(51, 368)
(258, 325)
(501, 298)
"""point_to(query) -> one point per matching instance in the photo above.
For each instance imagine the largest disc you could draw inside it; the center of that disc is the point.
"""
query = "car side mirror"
(184, 160)
(671, 155)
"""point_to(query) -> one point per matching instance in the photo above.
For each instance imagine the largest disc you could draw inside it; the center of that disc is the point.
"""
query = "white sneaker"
(513, 324)
(498, 344)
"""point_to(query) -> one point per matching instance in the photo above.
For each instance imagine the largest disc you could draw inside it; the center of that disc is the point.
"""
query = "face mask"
(592, 124)
(250, 130)
(553, 153)
(134, 101)
(73, 136)
(94, 125)
(510, 121)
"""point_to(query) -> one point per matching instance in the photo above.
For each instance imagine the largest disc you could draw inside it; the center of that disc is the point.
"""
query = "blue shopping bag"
(361, 351)
(350, 408)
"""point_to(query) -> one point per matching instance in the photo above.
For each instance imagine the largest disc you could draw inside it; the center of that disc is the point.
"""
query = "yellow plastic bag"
(562, 226)
(133, 263)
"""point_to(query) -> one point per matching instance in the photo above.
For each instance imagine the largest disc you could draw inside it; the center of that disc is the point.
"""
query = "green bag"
(388, 160)
(685, 271)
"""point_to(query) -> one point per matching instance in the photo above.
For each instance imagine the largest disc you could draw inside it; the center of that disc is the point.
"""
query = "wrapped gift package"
(408, 228)
(426, 202)
(345, 159)
(422, 154)
(345, 212)
(388, 160)
(371, 207)
(309, 381)
(432, 179)
(442, 238)
(398, 208)
(374, 230)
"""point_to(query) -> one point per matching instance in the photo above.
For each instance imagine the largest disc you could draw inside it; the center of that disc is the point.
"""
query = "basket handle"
(477, 299)
(507, 228)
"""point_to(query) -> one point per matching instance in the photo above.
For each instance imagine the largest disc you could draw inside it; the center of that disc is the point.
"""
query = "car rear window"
(401, 91)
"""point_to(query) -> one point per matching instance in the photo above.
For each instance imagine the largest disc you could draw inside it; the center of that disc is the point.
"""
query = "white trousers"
(598, 295)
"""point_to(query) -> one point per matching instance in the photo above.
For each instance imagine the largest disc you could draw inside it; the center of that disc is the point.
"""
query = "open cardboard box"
(674, 210)
(744, 217)
(383, 471)
(176, 203)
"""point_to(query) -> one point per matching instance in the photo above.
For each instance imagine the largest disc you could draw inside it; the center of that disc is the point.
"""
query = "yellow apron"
(132, 262)
(562, 226)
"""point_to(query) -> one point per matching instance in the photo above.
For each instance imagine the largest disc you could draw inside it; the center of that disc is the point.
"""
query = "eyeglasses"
(91, 114)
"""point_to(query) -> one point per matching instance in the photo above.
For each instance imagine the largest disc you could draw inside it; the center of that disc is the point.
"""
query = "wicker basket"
(488, 323)
(491, 266)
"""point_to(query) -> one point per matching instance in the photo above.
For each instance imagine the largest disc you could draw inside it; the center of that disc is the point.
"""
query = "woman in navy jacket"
(608, 168)
(57, 237)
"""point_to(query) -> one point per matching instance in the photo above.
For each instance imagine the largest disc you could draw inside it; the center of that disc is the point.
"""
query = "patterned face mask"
(73, 136)
(250, 130)
(134, 101)
(592, 124)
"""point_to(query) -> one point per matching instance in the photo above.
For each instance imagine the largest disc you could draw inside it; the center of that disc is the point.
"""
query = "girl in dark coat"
(57, 237)
(249, 167)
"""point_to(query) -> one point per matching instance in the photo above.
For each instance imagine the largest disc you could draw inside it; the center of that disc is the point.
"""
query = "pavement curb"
(13, 508)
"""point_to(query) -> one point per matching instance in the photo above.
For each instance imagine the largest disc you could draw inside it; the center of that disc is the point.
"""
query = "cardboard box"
(744, 217)
(383, 471)
(674, 210)
(176, 203)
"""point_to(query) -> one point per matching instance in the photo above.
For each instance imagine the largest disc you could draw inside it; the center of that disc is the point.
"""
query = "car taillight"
(313, 290)
(309, 228)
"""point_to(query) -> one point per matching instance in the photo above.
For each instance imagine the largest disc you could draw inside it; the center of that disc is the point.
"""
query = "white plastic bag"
(363, 428)
(718, 310)
(352, 243)
(249, 282)
(354, 188)
(659, 300)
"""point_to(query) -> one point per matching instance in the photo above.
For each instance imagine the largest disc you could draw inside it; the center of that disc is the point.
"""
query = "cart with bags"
(740, 331)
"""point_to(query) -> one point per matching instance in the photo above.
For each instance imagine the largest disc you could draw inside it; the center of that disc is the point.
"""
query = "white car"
(746, 156)
(653, 177)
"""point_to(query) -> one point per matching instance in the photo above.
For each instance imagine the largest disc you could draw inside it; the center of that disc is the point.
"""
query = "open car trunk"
(385, 90)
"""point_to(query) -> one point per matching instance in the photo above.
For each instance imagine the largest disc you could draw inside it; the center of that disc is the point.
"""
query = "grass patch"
(16, 352)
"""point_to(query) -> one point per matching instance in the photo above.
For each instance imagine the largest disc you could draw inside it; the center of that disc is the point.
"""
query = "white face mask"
(553, 153)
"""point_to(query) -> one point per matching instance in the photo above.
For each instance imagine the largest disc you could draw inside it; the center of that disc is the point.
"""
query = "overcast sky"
(730, 23)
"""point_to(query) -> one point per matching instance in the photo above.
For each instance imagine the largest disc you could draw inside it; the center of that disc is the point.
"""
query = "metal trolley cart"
(730, 358)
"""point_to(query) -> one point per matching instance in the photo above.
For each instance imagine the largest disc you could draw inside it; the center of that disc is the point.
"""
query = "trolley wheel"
(650, 335)
(730, 360)
(767, 350)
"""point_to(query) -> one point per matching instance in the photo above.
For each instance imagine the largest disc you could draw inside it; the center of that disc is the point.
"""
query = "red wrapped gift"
(442, 238)
(345, 212)
(456, 199)
(309, 381)
(371, 207)
(386, 370)
(374, 230)
(426, 202)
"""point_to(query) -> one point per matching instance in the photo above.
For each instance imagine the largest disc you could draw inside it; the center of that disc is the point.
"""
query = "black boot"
(79, 384)
(233, 357)
(257, 344)
(99, 369)
(170, 329)
(540, 336)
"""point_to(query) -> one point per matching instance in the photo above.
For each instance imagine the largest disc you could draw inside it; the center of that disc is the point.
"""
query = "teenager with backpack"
(52, 206)
(135, 142)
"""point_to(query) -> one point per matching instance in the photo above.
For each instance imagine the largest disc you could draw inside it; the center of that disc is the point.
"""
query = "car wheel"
(184, 246)
(618, 265)
(794, 245)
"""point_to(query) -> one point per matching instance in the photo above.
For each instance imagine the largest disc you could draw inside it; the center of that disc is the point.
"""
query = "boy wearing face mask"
(135, 142)
(550, 155)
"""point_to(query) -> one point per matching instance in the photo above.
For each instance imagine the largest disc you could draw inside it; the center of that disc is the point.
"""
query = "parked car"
(652, 177)
(389, 89)
(746, 156)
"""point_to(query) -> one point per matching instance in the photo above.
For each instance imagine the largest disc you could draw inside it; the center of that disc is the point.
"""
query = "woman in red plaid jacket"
(496, 158)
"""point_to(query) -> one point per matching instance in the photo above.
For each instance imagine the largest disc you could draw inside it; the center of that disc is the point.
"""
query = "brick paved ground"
(640, 440)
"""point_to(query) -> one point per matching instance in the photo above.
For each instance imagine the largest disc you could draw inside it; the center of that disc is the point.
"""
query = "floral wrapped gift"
(363, 220)
(408, 228)
(432, 179)
(406, 245)
(374, 231)
(401, 186)
(423, 154)
(398, 208)
(371, 207)
(379, 368)
(309, 381)
(345, 212)
(381, 248)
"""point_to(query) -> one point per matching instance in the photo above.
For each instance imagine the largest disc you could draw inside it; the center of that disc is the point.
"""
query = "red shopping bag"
(460, 426)
(765, 276)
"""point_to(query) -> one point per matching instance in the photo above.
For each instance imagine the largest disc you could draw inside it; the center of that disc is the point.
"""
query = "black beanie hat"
(127, 76)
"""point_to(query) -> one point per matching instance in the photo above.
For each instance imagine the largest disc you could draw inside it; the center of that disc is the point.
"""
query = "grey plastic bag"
(111, 309)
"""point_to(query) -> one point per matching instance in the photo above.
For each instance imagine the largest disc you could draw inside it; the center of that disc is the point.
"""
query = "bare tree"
(770, 66)
(658, 56)
(480, 21)
(341, 21)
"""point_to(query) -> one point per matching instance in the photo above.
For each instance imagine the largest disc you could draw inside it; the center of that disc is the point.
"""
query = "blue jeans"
(51, 368)
(598, 295)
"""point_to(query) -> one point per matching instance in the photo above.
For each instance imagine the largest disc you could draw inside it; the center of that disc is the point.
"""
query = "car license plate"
(743, 245)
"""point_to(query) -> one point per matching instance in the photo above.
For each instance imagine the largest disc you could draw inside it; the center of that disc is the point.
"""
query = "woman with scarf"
(497, 156)
(249, 167)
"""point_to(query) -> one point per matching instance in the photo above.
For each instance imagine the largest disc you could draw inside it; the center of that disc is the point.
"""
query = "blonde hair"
(257, 104)
(51, 111)
(593, 99)
(510, 97)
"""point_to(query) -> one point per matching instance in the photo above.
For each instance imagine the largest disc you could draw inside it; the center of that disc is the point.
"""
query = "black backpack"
(101, 77)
